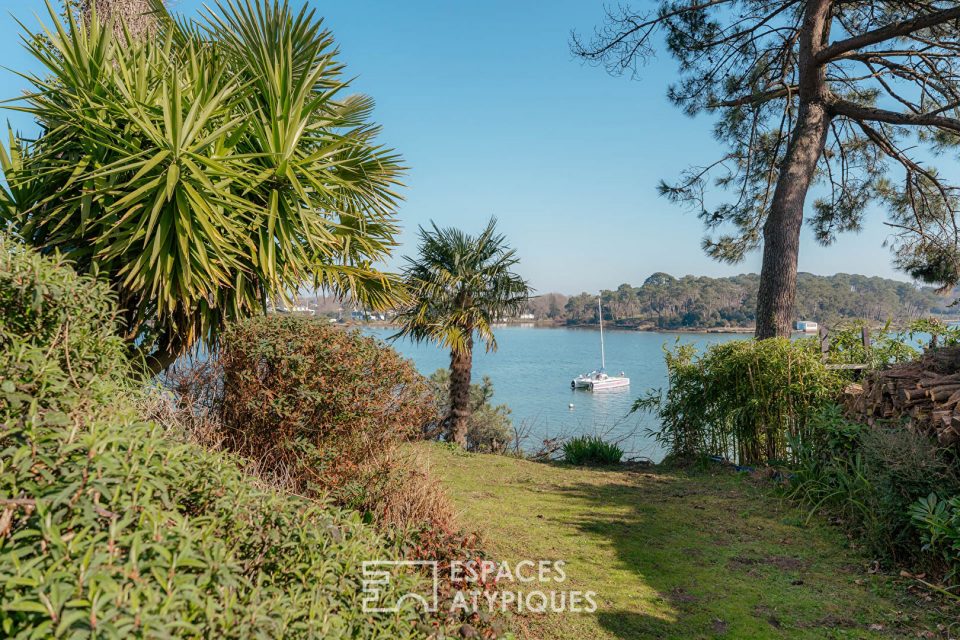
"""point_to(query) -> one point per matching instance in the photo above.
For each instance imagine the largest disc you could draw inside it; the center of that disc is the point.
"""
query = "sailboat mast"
(603, 358)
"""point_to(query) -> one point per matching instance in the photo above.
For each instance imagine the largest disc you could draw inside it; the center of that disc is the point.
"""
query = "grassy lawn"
(677, 556)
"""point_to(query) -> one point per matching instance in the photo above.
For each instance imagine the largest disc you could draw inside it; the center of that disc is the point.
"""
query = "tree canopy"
(666, 302)
(854, 98)
(460, 285)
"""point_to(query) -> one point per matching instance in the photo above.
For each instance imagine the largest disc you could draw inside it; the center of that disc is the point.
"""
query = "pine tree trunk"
(781, 232)
(461, 364)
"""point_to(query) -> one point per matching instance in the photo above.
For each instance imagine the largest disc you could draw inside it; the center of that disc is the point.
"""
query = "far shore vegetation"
(668, 303)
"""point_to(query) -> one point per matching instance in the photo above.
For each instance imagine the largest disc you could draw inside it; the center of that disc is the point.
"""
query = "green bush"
(324, 411)
(591, 450)
(889, 346)
(746, 400)
(939, 524)
(110, 528)
(870, 479)
(886, 346)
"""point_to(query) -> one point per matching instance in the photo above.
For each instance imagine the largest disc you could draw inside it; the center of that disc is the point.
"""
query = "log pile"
(925, 392)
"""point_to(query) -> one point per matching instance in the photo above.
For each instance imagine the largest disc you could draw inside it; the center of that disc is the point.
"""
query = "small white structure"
(806, 326)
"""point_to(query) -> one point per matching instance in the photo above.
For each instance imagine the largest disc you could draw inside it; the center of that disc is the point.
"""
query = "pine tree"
(855, 96)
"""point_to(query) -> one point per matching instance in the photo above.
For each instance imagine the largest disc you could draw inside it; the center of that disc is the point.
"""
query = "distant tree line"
(666, 302)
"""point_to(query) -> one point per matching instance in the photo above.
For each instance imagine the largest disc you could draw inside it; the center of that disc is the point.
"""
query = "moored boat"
(597, 380)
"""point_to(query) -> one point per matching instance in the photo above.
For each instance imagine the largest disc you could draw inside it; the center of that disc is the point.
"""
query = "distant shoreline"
(593, 327)
(645, 329)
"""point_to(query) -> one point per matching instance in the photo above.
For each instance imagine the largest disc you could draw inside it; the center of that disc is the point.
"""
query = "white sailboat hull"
(597, 381)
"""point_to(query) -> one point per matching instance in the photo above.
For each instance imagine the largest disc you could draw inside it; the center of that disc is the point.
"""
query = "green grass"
(672, 555)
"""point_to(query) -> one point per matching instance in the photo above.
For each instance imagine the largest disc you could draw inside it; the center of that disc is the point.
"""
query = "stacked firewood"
(924, 393)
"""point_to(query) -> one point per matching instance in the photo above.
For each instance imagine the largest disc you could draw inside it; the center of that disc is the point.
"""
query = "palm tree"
(460, 285)
(206, 171)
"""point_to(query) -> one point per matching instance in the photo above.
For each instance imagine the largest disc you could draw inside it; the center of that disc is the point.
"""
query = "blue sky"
(495, 117)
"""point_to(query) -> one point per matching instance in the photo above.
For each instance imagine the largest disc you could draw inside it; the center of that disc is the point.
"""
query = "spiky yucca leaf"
(204, 171)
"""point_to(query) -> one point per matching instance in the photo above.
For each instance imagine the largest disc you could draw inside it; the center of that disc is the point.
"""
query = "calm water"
(532, 369)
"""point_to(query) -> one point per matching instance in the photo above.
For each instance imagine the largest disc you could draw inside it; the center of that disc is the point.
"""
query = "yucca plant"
(204, 172)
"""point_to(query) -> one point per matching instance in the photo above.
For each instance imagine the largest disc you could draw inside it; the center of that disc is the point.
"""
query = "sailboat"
(596, 380)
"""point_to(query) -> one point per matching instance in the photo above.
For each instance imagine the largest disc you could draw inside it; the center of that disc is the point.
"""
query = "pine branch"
(837, 49)
(756, 98)
(862, 113)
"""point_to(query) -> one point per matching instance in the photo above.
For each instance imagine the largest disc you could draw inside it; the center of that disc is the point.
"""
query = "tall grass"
(591, 450)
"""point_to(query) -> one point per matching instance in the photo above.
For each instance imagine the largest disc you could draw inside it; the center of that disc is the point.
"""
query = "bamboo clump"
(924, 393)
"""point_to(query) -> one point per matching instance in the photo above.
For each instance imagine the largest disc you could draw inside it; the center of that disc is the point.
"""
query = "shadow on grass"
(689, 541)
(678, 554)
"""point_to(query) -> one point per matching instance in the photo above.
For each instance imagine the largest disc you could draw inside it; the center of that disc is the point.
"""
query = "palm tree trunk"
(169, 351)
(461, 364)
(160, 361)
(137, 16)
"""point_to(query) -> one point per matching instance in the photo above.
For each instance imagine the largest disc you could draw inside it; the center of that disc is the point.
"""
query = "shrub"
(489, 429)
(44, 303)
(939, 524)
(886, 346)
(108, 527)
(324, 412)
(870, 478)
(591, 450)
(400, 493)
(310, 403)
(745, 399)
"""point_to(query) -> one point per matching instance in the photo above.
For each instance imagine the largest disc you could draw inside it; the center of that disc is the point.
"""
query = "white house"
(807, 326)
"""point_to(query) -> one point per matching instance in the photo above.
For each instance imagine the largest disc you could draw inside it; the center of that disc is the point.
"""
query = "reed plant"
(744, 401)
